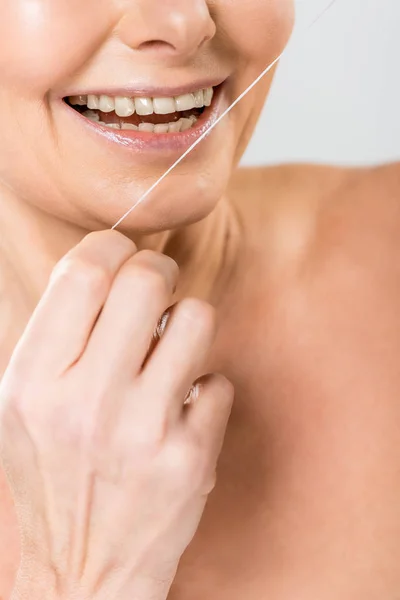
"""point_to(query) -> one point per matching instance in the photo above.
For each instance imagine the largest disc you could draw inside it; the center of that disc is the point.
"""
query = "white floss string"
(222, 116)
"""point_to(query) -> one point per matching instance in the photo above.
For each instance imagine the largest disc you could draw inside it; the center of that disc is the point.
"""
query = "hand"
(109, 470)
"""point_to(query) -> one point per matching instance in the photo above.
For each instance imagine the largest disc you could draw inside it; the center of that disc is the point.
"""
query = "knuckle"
(222, 388)
(156, 268)
(203, 476)
(16, 393)
(90, 277)
(158, 260)
(198, 312)
(148, 438)
(150, 280)
(209, 482)
(19, 413)
(205, 472)
(182, 462)
(188, 465)
(109, 238)
(154, 439)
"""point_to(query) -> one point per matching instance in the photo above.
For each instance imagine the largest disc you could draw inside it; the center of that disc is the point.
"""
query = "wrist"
(38, 582)
(34, 583)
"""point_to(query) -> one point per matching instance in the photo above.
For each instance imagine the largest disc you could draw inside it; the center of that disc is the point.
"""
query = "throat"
(207, 254)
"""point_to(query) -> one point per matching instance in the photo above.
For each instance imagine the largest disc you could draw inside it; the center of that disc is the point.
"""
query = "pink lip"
(139, 141)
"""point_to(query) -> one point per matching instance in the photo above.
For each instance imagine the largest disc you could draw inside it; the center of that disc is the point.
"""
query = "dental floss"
(222, 116)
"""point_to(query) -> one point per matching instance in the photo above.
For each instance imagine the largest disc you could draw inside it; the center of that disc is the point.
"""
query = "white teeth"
(93, 102)
(208, 96)
(129, 126)
(91, 115)
(161, 128)
(112, 125)
(144, 106)
(148, 127)
(106, 104)
(186, 124)
(124, 107)
(164, 106)
(185, 102)
(174, 127)
(199, 99)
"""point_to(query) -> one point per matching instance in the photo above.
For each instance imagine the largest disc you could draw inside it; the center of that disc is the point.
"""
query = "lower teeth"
(175, 127)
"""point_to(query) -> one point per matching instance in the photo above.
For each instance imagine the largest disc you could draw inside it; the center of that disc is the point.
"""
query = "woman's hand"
(109, 471)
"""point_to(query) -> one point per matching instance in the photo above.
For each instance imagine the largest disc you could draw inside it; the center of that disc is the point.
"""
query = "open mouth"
(152, 115)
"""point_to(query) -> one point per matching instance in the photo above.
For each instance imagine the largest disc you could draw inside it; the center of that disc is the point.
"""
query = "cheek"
(42, 41)
(258, 29)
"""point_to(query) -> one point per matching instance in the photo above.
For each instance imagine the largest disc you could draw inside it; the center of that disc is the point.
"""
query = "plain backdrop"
(336, 96)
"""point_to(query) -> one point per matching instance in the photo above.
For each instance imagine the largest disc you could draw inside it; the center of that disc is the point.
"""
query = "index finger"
(64, 318)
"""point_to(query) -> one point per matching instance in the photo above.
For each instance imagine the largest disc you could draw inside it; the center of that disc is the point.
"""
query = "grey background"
(336, 96)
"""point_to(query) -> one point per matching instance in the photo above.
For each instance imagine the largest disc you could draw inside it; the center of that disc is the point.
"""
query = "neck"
(32, 242)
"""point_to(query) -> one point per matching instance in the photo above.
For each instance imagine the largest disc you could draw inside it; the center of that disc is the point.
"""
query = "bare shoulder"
(288, 178)
(313, 232)
(321, 255)
(287, 208)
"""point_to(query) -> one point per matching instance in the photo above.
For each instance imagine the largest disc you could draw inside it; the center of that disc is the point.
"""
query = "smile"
(158, 115)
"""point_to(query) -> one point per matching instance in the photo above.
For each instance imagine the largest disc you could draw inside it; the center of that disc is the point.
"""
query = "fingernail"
(162, 323)
(193, 395)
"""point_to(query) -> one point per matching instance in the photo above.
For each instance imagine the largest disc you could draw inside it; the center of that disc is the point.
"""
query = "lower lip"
(140, 141)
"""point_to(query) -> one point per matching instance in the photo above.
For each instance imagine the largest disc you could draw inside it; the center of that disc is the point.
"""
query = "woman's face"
(130, 55)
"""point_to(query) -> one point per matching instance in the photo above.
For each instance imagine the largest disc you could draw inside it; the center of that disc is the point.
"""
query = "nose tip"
(171, 28)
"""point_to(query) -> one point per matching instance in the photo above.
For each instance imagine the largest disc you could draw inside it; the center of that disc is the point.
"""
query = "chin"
(174, 204)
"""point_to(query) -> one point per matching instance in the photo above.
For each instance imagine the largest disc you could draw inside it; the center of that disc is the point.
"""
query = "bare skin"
(300, 264)
(308, 489)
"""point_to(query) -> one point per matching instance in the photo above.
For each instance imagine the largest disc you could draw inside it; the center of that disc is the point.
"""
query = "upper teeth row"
(125, 107)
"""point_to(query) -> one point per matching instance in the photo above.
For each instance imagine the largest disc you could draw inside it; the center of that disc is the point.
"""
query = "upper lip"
(146, 92)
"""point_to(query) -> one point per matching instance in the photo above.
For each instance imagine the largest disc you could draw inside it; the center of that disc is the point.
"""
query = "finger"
(62, 322)
(208, 414)
(141, 292)
(180, 356)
